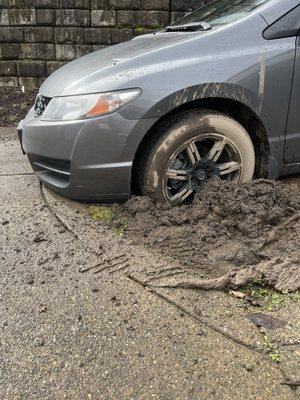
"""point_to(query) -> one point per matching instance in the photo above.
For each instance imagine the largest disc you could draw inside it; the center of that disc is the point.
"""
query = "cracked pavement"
(77, 322)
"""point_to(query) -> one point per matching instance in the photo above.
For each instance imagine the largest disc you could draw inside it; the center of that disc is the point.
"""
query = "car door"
(292, 138)
(288, 26)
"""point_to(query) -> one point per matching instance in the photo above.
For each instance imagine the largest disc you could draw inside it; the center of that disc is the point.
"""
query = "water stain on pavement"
(266, 321)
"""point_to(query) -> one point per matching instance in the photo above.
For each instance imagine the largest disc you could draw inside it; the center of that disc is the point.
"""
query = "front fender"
(206, 91)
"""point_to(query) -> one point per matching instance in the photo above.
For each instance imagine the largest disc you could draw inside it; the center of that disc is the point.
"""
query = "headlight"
(88, 106)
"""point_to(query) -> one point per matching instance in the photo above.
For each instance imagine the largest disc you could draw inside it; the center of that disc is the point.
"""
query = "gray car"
(215, 94)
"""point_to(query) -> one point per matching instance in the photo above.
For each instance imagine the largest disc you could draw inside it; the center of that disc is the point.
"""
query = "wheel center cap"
(201, 174)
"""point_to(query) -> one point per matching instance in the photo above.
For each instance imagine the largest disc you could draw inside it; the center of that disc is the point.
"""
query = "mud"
(234, 233)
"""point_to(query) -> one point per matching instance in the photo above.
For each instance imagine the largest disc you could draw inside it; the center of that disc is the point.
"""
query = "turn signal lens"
(88, 106)
(102, 107)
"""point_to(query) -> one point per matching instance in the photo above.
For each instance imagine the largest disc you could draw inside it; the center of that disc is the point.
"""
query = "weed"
(101, 214)
(122, 226)
(273, 300)
(295, 297)
(271, 347)
(227, 312)
(12, 118)
(140, 29)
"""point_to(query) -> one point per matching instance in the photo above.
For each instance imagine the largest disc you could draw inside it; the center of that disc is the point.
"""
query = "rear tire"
(191, 148)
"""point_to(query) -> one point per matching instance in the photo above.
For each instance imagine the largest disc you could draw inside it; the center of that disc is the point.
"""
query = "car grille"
(40, 105)
(51, 169)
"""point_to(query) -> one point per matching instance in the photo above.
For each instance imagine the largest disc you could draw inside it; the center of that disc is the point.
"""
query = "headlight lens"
(88, 106)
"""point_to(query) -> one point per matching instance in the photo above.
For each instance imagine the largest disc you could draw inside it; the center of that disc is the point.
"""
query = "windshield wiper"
(191, 27)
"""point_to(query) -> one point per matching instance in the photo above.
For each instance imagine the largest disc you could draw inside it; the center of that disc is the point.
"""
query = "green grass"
(273, 300)
(101, 214)
(12, 118)
(121, 228)
(270, 347)
(109, 216)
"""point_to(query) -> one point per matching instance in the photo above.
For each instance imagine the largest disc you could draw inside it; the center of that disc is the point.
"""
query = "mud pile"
(225, 229)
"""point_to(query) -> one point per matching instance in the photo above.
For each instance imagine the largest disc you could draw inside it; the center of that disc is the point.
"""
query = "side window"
(286, 26)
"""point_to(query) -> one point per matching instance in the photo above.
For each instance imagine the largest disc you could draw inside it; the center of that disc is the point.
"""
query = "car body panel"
(231, 62)
(99, 71)
(276, 9)
(292, 147)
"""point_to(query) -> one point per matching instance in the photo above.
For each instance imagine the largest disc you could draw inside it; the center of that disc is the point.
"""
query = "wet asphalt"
(76, 321)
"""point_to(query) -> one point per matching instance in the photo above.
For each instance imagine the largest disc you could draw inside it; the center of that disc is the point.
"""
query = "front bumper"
(88, 160)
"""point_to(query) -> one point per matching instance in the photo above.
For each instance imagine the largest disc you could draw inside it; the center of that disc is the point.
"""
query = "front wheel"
(191, 149)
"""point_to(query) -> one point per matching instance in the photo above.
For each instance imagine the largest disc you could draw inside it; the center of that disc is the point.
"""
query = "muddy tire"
(191, 148)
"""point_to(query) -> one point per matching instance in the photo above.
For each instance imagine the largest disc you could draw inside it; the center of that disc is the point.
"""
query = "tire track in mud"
(116, 256)
(17, 174)
(138, 265)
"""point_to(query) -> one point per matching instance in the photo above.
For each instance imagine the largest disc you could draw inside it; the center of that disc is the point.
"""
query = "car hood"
(98, 71)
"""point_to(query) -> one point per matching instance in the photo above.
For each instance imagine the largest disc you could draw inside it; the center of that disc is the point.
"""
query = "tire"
(191, 148)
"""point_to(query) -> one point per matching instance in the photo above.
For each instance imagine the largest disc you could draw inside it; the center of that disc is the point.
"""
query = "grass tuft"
(101, 214)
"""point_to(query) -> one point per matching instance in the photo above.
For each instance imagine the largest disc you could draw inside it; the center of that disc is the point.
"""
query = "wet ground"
(78, 320)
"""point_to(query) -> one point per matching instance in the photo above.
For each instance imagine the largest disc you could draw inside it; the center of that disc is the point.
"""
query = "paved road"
(75, 326)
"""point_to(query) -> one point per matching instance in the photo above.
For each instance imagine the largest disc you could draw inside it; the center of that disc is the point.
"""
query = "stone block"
(65, 52)
(10, 35)
(155, 5)
(97, 36)
(52, 66)
(22, 16)
(121, 35)
(153, 19)
(4, 17)
(187, 5)
(126, 18)
(103, 17)
(100, 5)
(45, 17)
(37, 51)
(38, 34)
(81, 4)
(11, 51)
(34, 3)
(68, 35)
(124, 4)
(31, 68)
(72, 17)
(82, 50)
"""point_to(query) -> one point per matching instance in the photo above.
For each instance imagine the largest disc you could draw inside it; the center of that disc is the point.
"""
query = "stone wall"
(38, 36)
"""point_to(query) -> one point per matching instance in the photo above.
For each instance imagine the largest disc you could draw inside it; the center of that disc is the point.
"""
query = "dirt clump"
(224, 230)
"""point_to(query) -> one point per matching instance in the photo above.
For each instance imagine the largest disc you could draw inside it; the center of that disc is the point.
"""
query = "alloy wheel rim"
(198, 160)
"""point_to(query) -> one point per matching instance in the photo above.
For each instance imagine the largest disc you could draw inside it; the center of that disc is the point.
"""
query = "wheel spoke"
(177, 174)
(229, 167)
(193, 153)
(184, 194)
(216, 150)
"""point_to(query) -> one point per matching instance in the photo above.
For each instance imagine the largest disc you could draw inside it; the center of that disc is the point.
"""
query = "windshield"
(222, 12)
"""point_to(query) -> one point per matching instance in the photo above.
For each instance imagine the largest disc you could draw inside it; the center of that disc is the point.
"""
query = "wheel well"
(240, 112)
